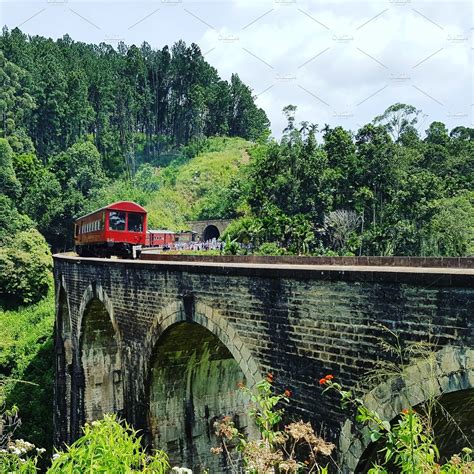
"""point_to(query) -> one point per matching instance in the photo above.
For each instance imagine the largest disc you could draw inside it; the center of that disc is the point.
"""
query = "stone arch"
(216, 323)
(63, 361)
(95, 291)
(450, 370)
(99, 353)
(210, 232)
(194, 371)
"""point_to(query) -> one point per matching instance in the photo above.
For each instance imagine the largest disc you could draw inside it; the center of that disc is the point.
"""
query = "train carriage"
(117, 229)
(162, 238)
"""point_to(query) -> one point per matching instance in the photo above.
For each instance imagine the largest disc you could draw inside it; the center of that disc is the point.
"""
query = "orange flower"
(329, 377)
(322, 381)
(405, 411)
(288, 393)
(270, 377)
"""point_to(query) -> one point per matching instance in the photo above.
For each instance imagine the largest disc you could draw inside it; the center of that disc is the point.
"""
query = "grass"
(186, 187)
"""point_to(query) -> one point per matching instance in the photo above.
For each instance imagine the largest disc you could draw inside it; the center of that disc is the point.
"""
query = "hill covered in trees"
(75, 115)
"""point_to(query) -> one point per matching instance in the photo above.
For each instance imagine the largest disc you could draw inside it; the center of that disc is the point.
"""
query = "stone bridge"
(209, 229)
(164, 343)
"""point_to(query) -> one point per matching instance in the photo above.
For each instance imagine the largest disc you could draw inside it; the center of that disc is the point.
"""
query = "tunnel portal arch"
(99, 353)
(210, 232)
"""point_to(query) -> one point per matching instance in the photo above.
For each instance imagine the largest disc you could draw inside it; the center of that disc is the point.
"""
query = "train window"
(117, 220)
(135, 222)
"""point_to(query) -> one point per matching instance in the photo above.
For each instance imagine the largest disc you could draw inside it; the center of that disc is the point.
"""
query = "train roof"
(128, 206)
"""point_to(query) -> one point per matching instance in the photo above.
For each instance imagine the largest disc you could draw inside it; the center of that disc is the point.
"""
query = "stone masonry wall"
(298, 322)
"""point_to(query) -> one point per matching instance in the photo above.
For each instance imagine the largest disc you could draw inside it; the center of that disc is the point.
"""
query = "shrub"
(231, 247)
(295, 448)
(109, 446)
(408, 445)
(11, 221)
(270, 248)
(27, 362)
(25, 266)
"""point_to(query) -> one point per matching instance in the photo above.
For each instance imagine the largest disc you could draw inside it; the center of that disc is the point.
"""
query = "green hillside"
(191, 190)
(186, 189)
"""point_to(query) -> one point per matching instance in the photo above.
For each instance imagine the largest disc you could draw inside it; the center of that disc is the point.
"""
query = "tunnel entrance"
(101, 364)
(452, 417)
(210, 232)
(193, 382)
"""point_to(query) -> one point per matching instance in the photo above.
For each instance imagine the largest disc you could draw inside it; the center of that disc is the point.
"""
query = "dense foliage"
(132, 100)
(368, 193)
(25, 258)
(109, 446)
(74, 116)
(27, 368)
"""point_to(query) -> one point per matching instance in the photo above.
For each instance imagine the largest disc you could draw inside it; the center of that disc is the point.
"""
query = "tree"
(80, 174)
(246, 120)
(11, 221)
(342, 162)
(399, 119)
(377, 168)
(79, 168)
(41, 197)
(341, 225)
(451, 229)
(9, 184)
(437, 134)
(25, 266)
(16, 102)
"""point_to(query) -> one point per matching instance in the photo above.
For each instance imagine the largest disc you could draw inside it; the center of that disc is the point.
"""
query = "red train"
(117, 229)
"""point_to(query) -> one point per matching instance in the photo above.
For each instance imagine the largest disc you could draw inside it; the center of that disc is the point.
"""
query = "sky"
(339, 62)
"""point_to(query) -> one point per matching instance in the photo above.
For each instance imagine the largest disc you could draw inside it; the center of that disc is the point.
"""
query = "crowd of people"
(213, 244)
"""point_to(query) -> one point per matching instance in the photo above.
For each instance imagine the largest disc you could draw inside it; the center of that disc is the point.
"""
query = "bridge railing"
(428, 262)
